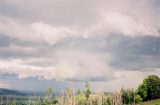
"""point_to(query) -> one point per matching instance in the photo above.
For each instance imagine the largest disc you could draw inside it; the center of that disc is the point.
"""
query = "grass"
(153, 102)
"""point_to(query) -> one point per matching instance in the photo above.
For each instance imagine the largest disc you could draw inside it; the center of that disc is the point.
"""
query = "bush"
(138, 99)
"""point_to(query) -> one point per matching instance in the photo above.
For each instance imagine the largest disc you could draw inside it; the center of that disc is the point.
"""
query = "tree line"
(148, 90)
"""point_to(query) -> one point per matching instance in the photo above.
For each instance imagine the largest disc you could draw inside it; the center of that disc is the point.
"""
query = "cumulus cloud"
(71, 65)
(126, 17)
(79, 65)
(35, 31)
(124, 24)
(80, 40)
(79, 59)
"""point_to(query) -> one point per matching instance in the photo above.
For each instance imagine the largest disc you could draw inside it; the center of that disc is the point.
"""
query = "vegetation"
(87, 91)
(48, 99)
(153, 102)
(148, 90)
(138, 99)
(81, 98)
(128, 96)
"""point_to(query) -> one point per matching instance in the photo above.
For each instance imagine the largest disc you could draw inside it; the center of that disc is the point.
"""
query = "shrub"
(138, 99)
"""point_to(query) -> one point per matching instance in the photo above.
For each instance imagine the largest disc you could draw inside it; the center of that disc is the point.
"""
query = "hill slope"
(20, 92)
(9, 92)
(153, 102)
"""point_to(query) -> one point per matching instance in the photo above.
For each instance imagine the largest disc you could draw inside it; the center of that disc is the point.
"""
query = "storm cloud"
(87, 40)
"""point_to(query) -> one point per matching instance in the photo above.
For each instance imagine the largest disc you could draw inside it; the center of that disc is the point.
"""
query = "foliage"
(142, 91)
(36, 102)
(106, 100)
(138, 99)
(87, 91)
(98, 99)
(150, 88)
(45, 101)
(69, 96)
(49, 99)
(93, 99)
(13, 102)
(128, 96)
(80, 98)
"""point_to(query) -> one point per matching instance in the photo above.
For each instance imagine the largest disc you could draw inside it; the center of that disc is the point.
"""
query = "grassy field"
(154, 102)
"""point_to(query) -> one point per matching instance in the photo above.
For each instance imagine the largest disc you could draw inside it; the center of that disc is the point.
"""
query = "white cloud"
(123, 79)
(35, 31)
(127, 79)
(119, 23)
(126, 17)
(54, 20)
(50, 33)
(109, 22)
(64, 65)
(22, 70)
(82, 65)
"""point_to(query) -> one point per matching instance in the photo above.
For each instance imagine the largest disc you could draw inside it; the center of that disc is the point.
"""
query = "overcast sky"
(113, 43)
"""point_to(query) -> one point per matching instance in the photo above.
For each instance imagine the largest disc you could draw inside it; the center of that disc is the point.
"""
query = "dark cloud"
(85, 40)
(12, 48)
(133, 53)
(138, 53)
(5, 41)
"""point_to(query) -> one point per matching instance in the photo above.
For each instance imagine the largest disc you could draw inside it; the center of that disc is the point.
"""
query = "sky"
(58, 43)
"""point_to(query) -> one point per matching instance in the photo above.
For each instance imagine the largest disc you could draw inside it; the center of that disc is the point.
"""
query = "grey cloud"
(12, 48)
(66, 12)
(82, 14)
(53, 20)
(54, 61)
(59, 36)
(128, 53)
(4, 41)
(132, 53)
(139, 53)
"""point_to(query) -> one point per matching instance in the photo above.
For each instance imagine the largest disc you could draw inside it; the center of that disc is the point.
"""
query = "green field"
(153, 102)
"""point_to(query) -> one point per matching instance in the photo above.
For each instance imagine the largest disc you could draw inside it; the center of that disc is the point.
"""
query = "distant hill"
(10, 92)
(20, 92)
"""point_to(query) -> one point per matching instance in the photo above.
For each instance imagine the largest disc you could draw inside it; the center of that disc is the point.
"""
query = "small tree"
(49, 99)
(80, 98)
(49, 94)
(87, 91)
(128, 96)
(150, 88)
